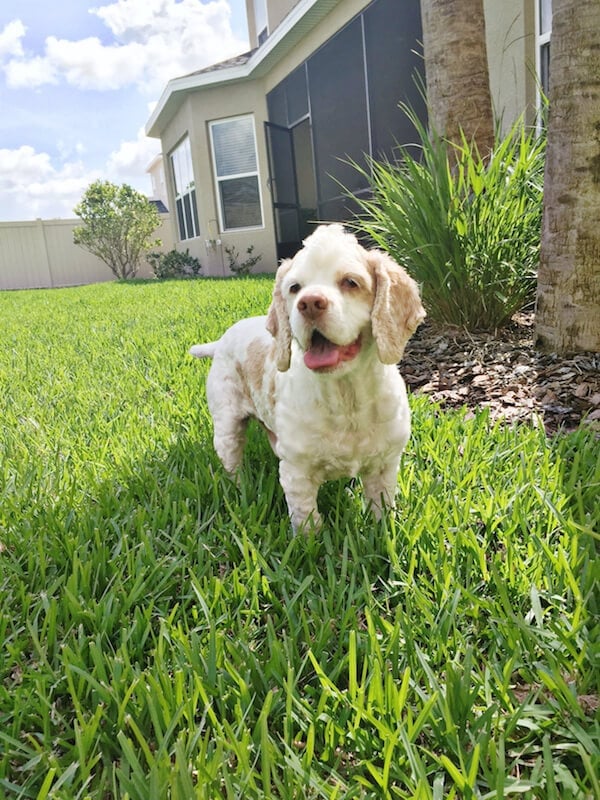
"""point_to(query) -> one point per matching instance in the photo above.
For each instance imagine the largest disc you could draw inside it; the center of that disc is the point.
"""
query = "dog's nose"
(312, 305)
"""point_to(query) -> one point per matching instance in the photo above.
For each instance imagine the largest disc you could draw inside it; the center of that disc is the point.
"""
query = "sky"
(78, 82)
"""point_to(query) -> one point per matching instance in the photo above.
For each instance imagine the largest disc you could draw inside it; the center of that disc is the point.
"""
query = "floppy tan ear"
(397, 310)
(278, 323)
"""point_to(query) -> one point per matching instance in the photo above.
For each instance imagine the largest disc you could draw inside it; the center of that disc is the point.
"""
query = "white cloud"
(29, 72)
(155, 40)
(67, 150)
(30, 186)
(132, 158)
(10, 39)
(88, 64)
(25, 163)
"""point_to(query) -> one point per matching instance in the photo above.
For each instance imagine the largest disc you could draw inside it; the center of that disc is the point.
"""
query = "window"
(185, 191)
(544, 32)
(260, 20)
(236, 173)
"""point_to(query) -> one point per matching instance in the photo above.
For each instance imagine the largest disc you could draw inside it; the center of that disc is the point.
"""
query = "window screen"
(297, 95)
(234, 148)
(336, 80)
(392, 30)
(350, 89)
(236, 173)
(277, 105)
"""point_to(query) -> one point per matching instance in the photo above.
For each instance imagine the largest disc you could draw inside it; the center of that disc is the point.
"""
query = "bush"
(174, 264)
(467, 228)
(118, 223)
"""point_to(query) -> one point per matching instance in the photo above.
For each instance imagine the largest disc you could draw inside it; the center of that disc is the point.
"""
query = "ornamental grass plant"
(465, 225)
(164, 636)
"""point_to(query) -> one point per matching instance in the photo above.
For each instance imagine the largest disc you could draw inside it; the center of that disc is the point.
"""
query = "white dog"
(319, 372)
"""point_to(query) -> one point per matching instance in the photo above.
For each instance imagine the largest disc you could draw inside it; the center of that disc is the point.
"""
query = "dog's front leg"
(380, 487)
(300, 492)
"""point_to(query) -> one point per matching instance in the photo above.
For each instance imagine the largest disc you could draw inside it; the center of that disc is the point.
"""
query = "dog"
(320, 372)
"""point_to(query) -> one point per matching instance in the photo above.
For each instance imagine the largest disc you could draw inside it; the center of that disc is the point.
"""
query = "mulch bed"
(504, 372)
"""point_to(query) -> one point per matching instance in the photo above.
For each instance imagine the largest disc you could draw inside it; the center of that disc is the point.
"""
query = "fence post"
(42, 234)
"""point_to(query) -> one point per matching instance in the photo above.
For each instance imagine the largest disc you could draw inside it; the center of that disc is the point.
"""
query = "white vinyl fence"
(41, 254)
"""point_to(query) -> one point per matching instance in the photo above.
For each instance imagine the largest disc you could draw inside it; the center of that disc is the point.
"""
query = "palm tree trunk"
(456, 69)
(568, 300)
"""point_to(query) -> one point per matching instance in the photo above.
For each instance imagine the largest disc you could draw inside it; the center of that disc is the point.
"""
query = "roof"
(160, 206)
(236, 61)
(305, 15)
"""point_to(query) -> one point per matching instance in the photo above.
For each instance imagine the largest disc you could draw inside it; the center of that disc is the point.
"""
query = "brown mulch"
(505, 372)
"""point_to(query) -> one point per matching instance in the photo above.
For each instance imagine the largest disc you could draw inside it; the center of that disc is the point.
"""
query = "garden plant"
(163, 634)
(465, 225)
(245, 266)
(174, 264)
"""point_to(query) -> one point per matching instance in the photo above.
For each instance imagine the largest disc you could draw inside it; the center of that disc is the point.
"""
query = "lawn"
(163, 635)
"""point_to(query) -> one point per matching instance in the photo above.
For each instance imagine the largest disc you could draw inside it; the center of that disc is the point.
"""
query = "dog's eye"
(349, 283)
(294, 288)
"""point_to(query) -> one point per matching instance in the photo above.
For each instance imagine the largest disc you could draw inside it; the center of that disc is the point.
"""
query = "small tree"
(118, 223)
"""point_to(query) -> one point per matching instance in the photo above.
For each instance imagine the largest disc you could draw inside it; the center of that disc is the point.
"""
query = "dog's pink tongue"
(322, 354)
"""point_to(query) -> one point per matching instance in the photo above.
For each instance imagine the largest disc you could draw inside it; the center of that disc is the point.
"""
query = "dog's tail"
(203, 350)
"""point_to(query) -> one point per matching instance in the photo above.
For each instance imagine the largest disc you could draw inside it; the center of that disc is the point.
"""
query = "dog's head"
(335, 298)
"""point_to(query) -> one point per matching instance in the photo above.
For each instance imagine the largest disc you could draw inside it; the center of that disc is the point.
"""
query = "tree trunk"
(568, 300)
(456, 69)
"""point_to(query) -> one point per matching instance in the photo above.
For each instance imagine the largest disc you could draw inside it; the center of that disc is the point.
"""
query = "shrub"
(118, 223)
(174, 264)
(467, 228)
(241, 267)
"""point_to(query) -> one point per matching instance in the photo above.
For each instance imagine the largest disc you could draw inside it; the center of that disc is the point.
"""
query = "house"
(259, 147)
(156, 171)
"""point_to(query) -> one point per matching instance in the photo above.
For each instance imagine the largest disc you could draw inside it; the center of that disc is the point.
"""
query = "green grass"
(163, 635)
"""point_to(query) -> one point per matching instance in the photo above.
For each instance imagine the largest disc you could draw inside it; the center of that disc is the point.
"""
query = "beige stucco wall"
(277, 11)
(510, 34)
(193, 118)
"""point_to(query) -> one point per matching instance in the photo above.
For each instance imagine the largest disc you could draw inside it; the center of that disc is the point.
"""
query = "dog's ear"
(278, 322)
(397, 309)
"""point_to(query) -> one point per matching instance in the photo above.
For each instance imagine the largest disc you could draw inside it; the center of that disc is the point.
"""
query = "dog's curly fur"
(319, 372)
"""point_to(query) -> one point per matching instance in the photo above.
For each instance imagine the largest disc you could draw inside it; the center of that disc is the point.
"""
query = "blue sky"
(78, 81)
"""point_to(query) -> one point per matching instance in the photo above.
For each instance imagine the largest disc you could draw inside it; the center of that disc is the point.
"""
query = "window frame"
(542, 49)
(186, 208)
(261, 15)
(219, 179)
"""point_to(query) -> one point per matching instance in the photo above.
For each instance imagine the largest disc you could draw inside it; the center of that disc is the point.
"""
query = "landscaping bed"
(505, 372)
